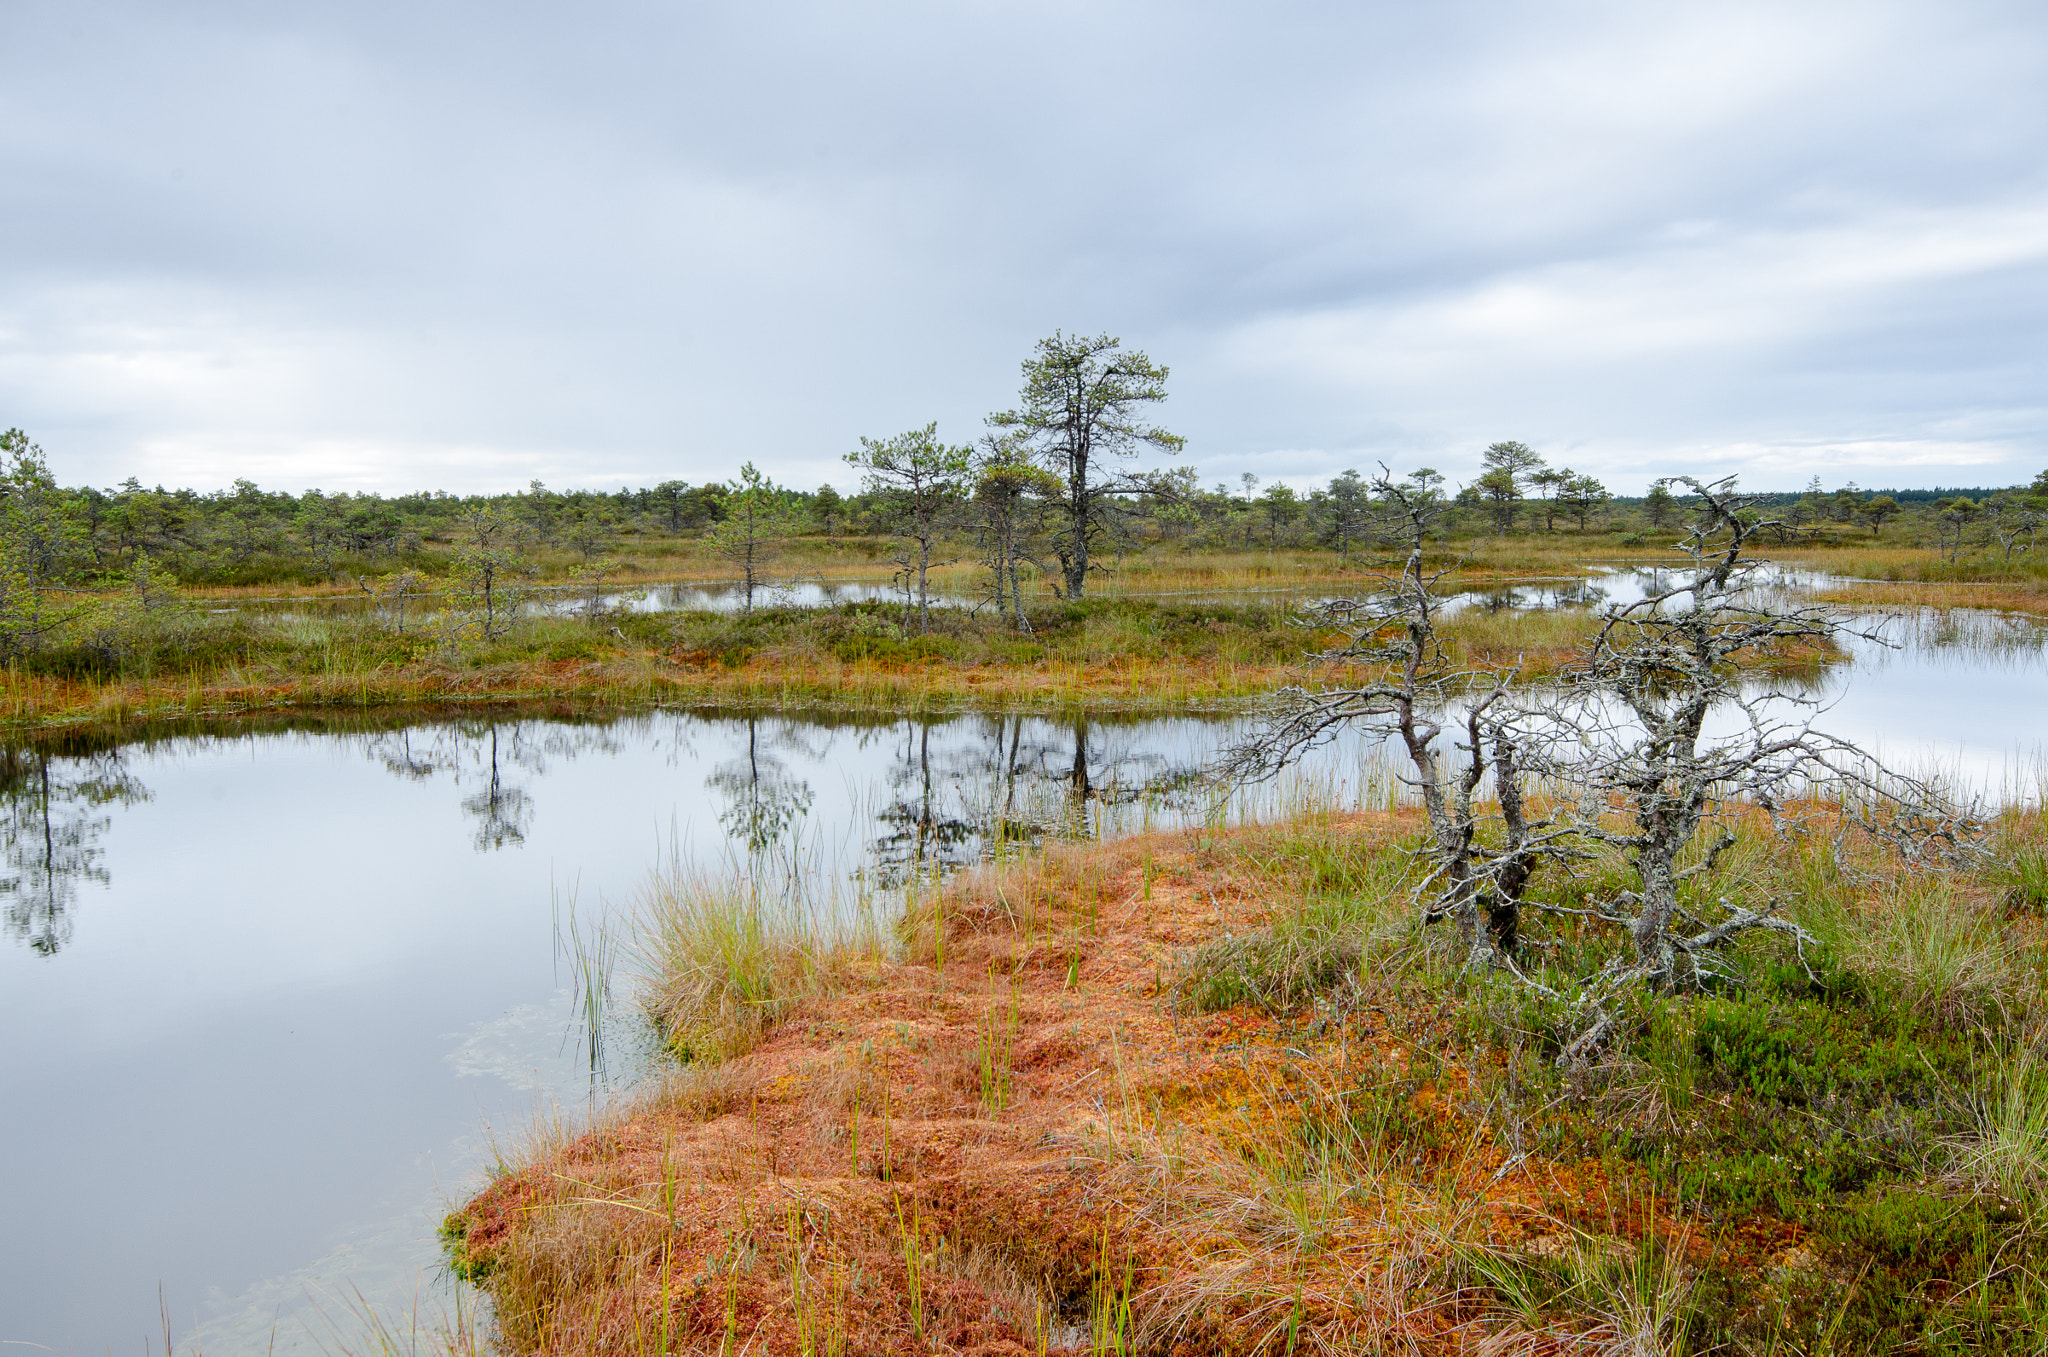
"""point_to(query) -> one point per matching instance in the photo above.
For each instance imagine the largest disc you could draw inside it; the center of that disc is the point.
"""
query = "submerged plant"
(591, 955)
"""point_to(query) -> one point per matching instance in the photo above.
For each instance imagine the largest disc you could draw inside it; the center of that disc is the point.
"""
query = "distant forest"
(245, 534)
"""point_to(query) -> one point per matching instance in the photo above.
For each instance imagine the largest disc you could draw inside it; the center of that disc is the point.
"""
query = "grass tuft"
(729, 956)
(2009, 1153)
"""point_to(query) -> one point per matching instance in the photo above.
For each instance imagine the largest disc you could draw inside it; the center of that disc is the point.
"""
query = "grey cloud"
(394, 246)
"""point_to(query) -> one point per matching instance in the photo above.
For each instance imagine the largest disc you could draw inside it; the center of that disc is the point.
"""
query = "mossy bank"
(1222, 1092)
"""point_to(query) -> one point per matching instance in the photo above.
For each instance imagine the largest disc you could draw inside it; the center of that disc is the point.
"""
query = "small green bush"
(1738, 1040)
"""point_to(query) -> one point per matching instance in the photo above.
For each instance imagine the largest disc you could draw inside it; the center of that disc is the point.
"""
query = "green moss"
(466, 1264)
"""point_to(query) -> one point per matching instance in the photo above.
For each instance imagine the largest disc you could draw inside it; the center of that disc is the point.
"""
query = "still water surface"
(264, 993)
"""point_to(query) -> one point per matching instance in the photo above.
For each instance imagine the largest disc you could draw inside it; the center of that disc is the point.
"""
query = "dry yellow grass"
(2017, 596)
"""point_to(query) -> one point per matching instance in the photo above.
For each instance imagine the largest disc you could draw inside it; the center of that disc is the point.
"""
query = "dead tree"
(1418, 693)
(1665, 727)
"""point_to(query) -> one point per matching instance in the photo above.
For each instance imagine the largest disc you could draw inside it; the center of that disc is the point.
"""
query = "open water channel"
(269, 995)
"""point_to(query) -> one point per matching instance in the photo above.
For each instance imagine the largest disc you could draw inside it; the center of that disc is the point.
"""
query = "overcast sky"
(373, 245)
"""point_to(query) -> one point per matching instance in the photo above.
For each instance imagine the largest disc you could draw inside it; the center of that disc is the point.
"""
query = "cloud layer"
(397, 246)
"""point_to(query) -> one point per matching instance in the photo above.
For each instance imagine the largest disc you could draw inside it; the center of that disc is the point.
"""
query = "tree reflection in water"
(486, 755)
(502, 810)
(949, 790)
(963, 787)
(947, 794)
(764, 800)
(922, 825)
(51, 828)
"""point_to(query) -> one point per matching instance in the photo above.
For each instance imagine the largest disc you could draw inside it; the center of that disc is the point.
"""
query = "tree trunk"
(1016, 590)
(1077, 559)
(1450, 837)
(924, 598)
(1652, 927)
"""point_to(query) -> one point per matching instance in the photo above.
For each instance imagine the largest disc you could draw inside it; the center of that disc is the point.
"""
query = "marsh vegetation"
(1224, 1090)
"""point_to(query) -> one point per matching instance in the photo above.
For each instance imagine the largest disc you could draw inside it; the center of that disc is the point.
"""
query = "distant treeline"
(247, 535)
(1782, 497)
